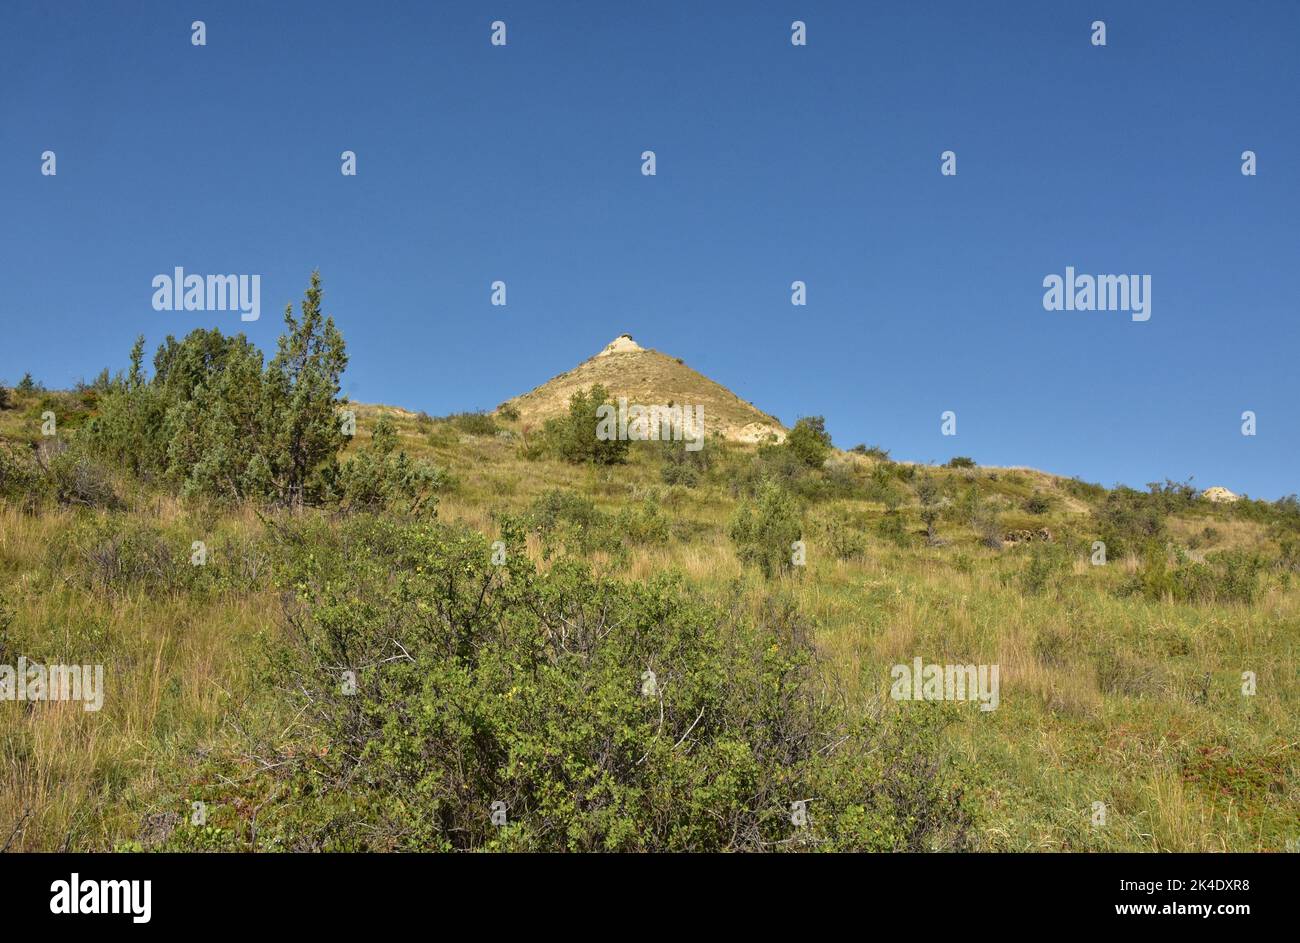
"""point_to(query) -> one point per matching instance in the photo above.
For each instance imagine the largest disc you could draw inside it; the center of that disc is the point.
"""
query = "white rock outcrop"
(622, 344)
(1220, 495)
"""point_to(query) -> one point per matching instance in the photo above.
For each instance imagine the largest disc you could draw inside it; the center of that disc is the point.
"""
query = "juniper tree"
(213, 420)
(764, 532)
(573, 436)
(301, 385)
(927, 492)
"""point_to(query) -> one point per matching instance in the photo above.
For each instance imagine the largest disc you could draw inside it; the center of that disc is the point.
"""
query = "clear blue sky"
(775, 163)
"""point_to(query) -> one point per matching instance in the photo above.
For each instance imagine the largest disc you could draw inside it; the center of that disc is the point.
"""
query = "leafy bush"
(884, 486)
(530, 695)
(1127, 520)
(1046, 562)
(54, 471)
(893, 528)
(682, 466)
(927, 493)
(961, 461)
(569, 520)
(77, 480)
(21, 479)
(1084, 490)
(842, 537)
(809, 441)
(1038, 504)
(382, 478)
(214, 422)
(769, 463)
(644, 523)
(871, 451)
(1226, 576)
(573, 437)
(764, 530)
(481, 424)
(559, 505)
(985, 524)
(1173, 497)
(121, 554)
(1288, 559)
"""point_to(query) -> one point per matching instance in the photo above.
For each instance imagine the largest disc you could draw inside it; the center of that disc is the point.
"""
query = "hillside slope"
(648, 377)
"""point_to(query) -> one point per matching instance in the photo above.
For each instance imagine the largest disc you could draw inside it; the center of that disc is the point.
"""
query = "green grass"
(1107, 695)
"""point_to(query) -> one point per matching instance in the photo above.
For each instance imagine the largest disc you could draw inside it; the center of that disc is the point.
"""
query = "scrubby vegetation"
(588, 713)
(463, 633)
(809, 441)
(572, 437)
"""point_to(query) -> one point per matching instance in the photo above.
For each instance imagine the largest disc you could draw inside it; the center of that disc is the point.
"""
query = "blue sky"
(775, 163)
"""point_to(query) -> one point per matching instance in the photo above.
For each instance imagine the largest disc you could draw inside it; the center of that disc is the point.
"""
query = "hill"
(648, 377)
(1123, 676)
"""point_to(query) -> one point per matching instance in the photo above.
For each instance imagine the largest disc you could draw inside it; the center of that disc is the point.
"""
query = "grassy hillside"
(1120, 683)
(647, 377)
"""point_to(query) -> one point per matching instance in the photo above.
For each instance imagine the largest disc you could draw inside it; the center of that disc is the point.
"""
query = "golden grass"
(1104, 697)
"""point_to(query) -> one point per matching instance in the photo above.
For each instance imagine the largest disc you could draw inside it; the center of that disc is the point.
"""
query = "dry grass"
(1105, 697)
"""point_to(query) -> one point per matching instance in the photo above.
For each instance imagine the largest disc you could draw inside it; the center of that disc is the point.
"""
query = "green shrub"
(1084, 490)
(927, 493)
(961, 461)
(681, 466)
(214, 422)
(842, 537)
(764, 530)
(569, 520)
(871, 451)
(481, 424)
(117, 554)
(573, 437)
(769, 463)
(56, 471)
(1127, 521)
(1226, 576)
(893, 528)
(112, 553)
(1038, 504)
(77, 480)
(809, 441)
(984, 521)
(381, 478)
(644, 523)
(1046, 562)
(559, 505)
(884, 485)
(530, 693)
(1288, 559)
(21, 479)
